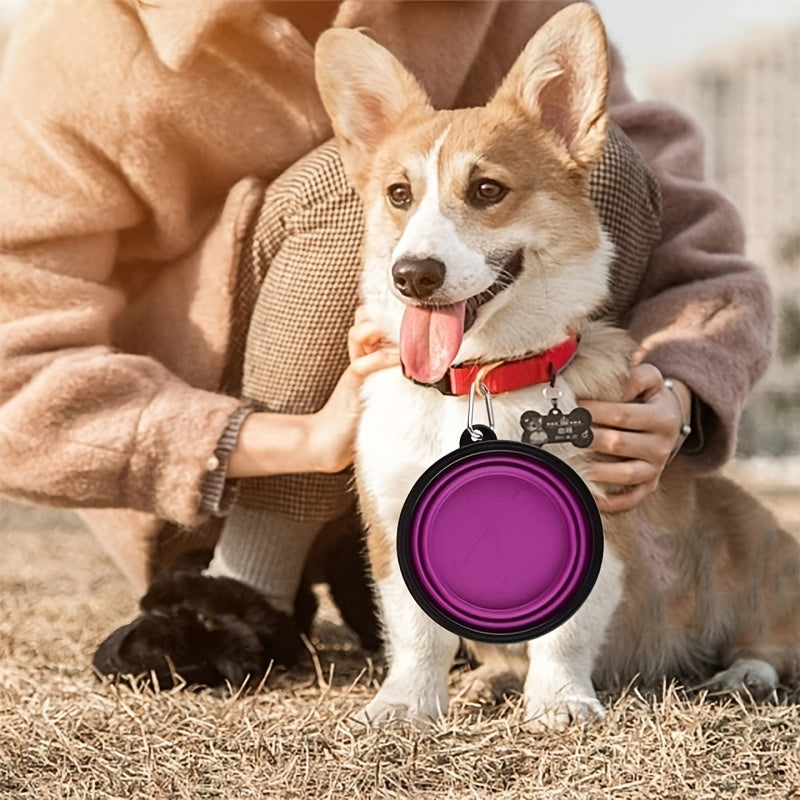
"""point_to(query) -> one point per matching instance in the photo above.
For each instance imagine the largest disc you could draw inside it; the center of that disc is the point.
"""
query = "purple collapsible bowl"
(500, 541)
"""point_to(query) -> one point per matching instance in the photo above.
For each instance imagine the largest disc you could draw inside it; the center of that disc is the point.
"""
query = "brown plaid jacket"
(300, 277)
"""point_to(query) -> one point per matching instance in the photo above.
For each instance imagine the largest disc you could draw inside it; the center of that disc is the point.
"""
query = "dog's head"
(481, 241)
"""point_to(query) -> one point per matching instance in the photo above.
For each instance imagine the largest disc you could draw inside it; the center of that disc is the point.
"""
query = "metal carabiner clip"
(479, 387)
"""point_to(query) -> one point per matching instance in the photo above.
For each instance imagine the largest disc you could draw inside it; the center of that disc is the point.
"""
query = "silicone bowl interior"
(500, 541)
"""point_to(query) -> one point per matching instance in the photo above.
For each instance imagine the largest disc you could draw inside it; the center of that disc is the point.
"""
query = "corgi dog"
(481, 246)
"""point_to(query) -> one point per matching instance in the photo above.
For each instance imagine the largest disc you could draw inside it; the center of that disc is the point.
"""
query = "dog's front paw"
(379, 712)
(751, 675)
(565, 708)
(421, 711)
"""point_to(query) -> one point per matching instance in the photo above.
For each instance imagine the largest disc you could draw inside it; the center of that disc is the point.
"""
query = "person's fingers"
(628, 472)
(377, 360)
(623, 416)
(641, 433)
(643, 381)
(363, 337)
(646, 430)
(627, 444)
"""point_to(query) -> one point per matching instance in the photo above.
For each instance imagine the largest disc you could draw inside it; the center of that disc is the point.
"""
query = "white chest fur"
(406, 428)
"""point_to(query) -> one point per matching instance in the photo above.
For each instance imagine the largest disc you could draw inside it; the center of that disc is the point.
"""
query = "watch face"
(500, 541)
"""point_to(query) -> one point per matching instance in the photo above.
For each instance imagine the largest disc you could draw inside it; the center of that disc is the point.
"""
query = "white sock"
(265, 550)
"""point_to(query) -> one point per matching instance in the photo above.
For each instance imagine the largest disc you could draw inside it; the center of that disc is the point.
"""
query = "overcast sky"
(653, 33)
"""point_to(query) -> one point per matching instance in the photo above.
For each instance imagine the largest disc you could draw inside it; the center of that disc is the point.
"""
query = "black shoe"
(203, 631)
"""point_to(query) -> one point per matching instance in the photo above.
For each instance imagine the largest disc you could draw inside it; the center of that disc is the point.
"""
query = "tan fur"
(379, 542)
(710, 578)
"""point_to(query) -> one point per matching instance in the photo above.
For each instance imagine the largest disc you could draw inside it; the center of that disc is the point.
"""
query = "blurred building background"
(746, 96)
(735, 66)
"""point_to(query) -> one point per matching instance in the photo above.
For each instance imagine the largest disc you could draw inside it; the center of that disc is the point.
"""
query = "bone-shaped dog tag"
(556, 427)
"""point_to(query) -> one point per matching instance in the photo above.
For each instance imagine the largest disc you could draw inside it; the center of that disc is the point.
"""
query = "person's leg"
(266, 551)
(299, 275)
(303, 258)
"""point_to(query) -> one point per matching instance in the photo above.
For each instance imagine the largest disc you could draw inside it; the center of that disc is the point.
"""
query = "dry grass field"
(63, 734)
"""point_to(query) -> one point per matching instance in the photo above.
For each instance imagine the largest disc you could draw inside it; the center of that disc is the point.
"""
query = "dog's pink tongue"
(429, 340)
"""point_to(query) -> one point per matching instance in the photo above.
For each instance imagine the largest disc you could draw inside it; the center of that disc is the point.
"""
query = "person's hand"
(641, 432)
(333, 427)
(272, 444)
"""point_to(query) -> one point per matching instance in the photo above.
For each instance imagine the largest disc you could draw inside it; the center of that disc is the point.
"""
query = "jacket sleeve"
(703, 312)
(82, 424)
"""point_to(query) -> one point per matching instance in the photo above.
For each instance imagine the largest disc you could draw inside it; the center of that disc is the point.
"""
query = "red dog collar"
(509, 375)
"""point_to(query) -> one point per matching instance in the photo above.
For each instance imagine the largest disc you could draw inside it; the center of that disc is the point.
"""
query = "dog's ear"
(561, 81)
(365, 90)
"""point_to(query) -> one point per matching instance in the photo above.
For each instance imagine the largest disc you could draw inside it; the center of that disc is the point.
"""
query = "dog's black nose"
(418, 277)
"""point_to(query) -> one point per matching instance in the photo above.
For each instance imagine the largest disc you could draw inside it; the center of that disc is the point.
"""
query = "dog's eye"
(486, 192)
(399, 195)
